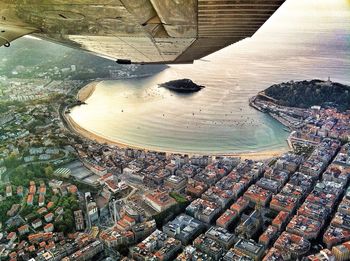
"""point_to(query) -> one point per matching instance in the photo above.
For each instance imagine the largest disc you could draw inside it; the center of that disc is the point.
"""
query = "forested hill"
(304, 94)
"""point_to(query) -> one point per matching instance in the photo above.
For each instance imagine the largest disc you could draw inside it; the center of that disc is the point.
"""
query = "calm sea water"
(296, 44)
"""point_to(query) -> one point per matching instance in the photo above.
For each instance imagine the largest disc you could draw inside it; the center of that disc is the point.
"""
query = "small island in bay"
(182, 86)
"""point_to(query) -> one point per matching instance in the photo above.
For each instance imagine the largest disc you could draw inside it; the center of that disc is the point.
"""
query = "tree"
(48, 171)
(12, 161)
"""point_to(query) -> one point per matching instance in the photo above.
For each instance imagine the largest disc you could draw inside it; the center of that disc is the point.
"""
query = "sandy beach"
(259, 155)
(89, 89)
(85, 92)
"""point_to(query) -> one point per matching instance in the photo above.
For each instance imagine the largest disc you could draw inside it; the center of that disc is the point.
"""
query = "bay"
(303, 40)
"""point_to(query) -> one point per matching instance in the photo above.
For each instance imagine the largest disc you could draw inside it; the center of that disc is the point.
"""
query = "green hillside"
(304, 94)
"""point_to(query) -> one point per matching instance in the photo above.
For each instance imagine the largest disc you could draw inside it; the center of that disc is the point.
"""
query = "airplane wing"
(139, 31)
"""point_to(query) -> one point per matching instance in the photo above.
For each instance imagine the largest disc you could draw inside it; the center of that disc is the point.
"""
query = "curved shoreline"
(85, 92)
(258, 155)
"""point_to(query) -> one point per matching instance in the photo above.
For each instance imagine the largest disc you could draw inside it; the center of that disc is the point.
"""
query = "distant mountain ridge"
(44, 55)
(29, 52)
(304, 94)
